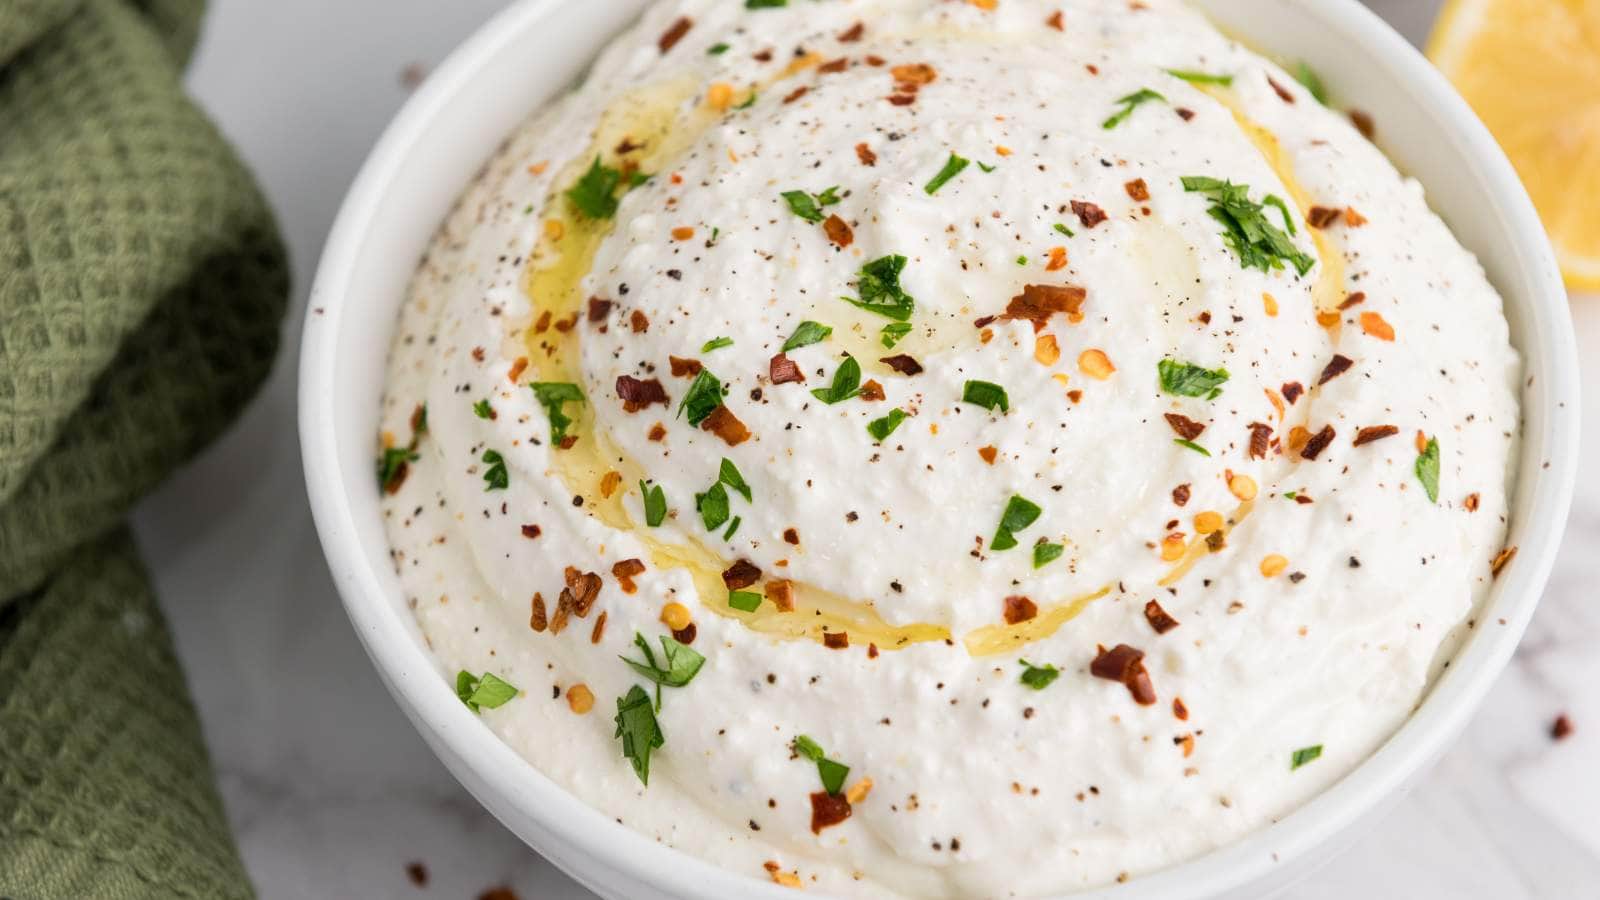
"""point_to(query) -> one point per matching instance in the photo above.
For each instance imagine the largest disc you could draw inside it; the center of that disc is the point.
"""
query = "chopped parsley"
(483, 692)
(552, 395)
(595, 192)
(893, 332)
(495, 477)
(712, 506)
(729, 475)
(732, 528)
(1129, 104)
(717, 49)
(1190, 380)
(703, 396)
(806, 334)
(681, 662)
(1201, 77)
(639, 730)
(744, 601)
(878, 283)
(1304, 755)
(880, 429)
(846, 383)
(1038, 677)
(1019, 514)
(748, 101)
(1063, 229)
(1276, 202)
(1185, 442)
(765, 4)
(1427, 469)
(986, 394)
(985, 166)
(655, 504)
(809, 206)
(1022, 260)
(482, 409)
(1308, 77)
(833, 773)
(716, 343)
(1045, 553)
(393, 460)
(1258, 243)
(952, 168)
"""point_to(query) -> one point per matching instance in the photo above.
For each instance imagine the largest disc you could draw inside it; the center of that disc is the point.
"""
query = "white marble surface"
(330, 791)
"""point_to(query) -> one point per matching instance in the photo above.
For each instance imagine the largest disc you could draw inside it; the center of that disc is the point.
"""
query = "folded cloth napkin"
(142, 284)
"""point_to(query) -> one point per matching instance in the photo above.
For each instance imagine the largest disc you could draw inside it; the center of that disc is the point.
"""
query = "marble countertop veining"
(330, 791)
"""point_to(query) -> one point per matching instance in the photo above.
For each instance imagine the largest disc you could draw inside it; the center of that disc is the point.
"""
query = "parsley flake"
(1185, 442)
(732, 528)
(1312, 82)
(1045, 553)
(806, 334)
(985, 166)
(1304, 755)
(729, 475)
(1063, 229)
(986, 394)
(392, 462)
(881, 428)
(893, 332)
(832, 773)
(483, 692)
(765, 4)
(495, 477)
(1019, 514)
(1129, 104)
(717, 49)
(1201, 77)
(1427, 469)
(846, 383)
(1258, 243)
(952, 168)
(1189, 380)
(655, 504)
(716, 343)
(809, 206)
(704, 395)
(712, 506)
(639, 730)
(744, 601)
(595, 192)
(681, 662)
(552, 395)
(878, 283)
(482, 409)
(1038, 677)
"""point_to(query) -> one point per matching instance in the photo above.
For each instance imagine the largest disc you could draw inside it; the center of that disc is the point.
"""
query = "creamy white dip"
(1321, 557)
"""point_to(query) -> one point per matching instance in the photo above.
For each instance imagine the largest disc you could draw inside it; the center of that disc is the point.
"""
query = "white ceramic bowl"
(531, 53)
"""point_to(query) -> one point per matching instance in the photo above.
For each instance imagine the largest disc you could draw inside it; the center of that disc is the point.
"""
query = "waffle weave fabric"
(142, 286)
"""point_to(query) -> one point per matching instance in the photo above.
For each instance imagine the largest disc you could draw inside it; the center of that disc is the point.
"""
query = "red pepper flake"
(741, 574)
(673, 35)
(1353, 299)
(1282, 92)
(1158, 618)
(531, 531)
(1125, 664)
(781, 593)
(784, 370)
(542, 325)
(568, 442)
(902, 99)
(913, 75)
(827, 810)
(1375, 433)
(558, 619)
(1471, 503)
(1055, 21)
(834, 67)
(1179, 710)
(567, 324)
(791, 535)
(684, 368)
(498, 893)
(865, 154)
(872, 651)
(1318, 443)
(838, 231)
(852, 34)
(1335, 367)
(1323, 216)
(874, 60)
(658, 431)
(1019, 609)
(836, 640)
(1353, 218)
(1088, 214)
(599, 308)
(764, 55)
(1374, 324)
(1180, 494)
(1184, 113)
(418, 873)
(1137, 190)
(902, 363)
(1292, 391)
(1038, 302)
(1501, 560)
(1260, 440)
(1561, 728)
(1187, 428)
(599, 629)
(795, 94)
(988, 454)
(624, 571)
(872, 391)
(637, 395)
(724, 424)
(477, 354)
(537, 619)
(686, 634)
(1363, 123)
(583, 589)
(518, 366)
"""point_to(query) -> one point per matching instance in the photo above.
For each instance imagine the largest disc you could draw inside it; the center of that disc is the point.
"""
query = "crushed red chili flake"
(724, 424)
(852, 34)
(1280, 90)
(1187, 428)
(1088, 214)
(1501, 560)
(1352, 218)
(1019, 609)
(1184, 113)
(838, 231)
(1180, 494)
(784, 370)
(1561, 728)
(1038, 302)
(624, 570)
(518, 365)
(1158, 618)
(1260, 440)
(795, 94)
(637, 395)
(499, 893)
(531, 531)
(865, 154)
(418, 873)
(1375, 433)
(674, 34)
(542, 324)
(599, 308)
(833, 67)
(1292, 391)
(1318, 443)
(1323, 216)
(639, 322)
(913, 75)
(902, 99)
(1363, 123)
(872, 391)
(1179, 710)
(827, 810)
(1137, 190)
(988, 454)
(902, 363)
(658, 431)
(477, 354)
(684, 368)
(872, 651)
(565, 325)
(1471, 503)
(599, 630)
(836, 640)
(1353, 299)
(1125, 664)
(686, 634)
(568, 442)
(1055, 21)
(781, 592)
(538, 620)
(584, 588)
(874, 60)
(1335, 367)
(741, 574)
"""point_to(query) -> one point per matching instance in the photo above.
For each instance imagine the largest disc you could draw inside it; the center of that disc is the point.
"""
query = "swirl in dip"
(1037, 442)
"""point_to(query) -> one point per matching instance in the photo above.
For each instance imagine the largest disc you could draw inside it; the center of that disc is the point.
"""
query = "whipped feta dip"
(1019, 445)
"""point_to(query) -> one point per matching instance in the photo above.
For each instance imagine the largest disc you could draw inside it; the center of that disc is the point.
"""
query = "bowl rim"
(578, 838)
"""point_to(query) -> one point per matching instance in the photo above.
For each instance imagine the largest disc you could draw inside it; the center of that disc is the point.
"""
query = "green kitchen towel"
(142, 284)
